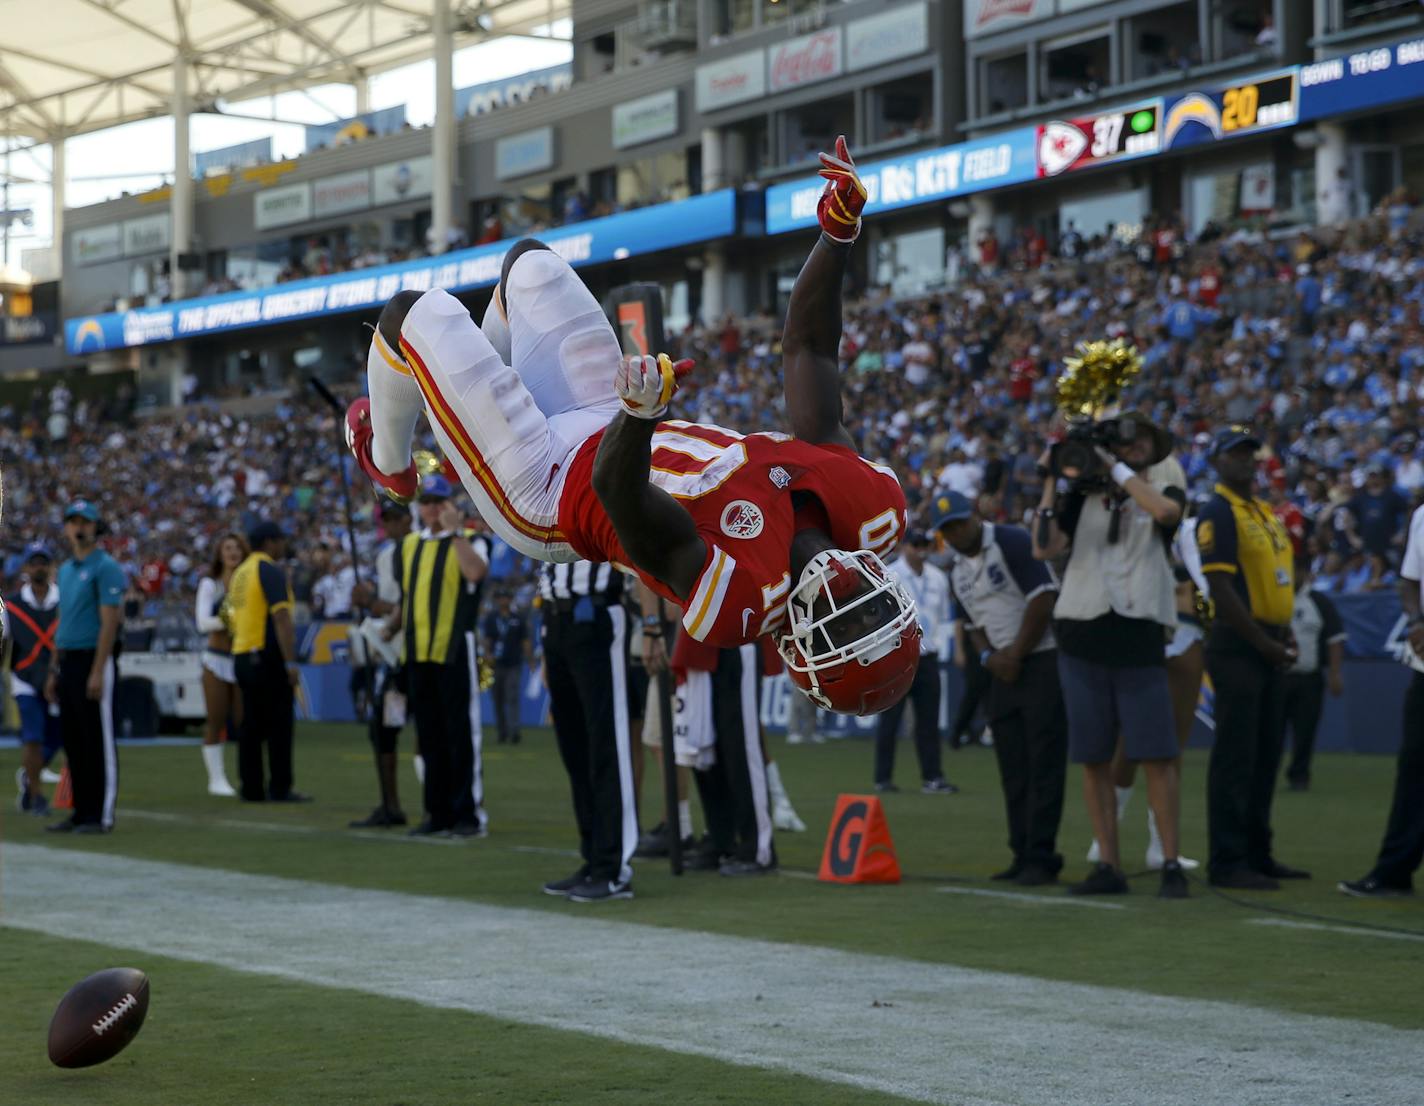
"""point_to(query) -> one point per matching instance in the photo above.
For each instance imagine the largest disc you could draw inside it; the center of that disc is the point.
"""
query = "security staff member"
(91, 590)
(383, 599)
(264, 649)
(1006, 598)
(1246, 557)
(442, 569)
(585, 668)
(930, 588)
(31, 621)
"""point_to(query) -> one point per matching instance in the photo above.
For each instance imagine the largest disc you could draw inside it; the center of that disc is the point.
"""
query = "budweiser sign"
(981, 16)
(805, 60)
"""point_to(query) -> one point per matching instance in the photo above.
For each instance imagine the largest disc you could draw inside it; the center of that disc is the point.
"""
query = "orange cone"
(858, 846)
(63, 792)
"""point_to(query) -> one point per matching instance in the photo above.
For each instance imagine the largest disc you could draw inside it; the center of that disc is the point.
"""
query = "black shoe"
(654, 843)
(1035, 875)
(562, 887)
(1276, 870)
(1298, 783)
(1104, 879)
(600, 890)
(514, 738)
(1244, 879)
(380, 818)
(67, 826)
(428, 828)
(885, 787)
(1371, 887)
(1174, 881)
(292, 797)
(1010, 873)
(938, 786)
(91, 828)
(744, 868)
(700, 856)
(468, 829)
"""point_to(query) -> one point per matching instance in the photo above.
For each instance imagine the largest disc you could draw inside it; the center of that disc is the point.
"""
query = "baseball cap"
(81, 508)
(435, 486)
(264, 532)
(389, 508)
(38, 549)
(951, 507)
(1229, 437)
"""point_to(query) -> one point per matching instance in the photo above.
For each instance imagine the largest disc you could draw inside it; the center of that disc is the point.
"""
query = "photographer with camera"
(1112, 498)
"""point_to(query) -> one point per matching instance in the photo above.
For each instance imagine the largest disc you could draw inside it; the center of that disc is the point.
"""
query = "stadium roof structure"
(69, 67)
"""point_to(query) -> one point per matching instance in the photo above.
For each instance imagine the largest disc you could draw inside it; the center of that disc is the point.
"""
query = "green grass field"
(254, 1038)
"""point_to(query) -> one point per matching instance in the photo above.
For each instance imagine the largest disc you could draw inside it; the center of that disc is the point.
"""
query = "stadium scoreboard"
(1089, 140)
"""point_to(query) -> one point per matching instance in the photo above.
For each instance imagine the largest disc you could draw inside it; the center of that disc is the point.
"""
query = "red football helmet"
(854, 641)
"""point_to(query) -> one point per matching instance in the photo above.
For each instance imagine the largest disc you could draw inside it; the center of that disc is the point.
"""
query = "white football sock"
(1154, 839)
(420, 769)
(773, 783)
(496, 328)
(396, 404)
(684, 819)
(1124, 794)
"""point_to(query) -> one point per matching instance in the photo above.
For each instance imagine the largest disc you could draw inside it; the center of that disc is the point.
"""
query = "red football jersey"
(738, 490)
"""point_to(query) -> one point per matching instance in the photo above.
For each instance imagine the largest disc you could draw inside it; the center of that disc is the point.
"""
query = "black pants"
(1031, 746)
(1241, 777)
(87, 727)
(585, 654)
(445, 699)
(383, 738)
(976, 685)
(1304, 702)
(267, 717)
(924, 693)
(1403, 846)
(733, 791)
(505, 691)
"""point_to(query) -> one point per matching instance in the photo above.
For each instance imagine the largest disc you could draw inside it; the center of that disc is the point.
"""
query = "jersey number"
(703, 465)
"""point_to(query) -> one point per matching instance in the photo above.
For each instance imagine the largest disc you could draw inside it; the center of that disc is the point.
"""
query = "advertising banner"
(614, 237)
(899, 33)
(385, 121)
(520, 154)
(147, 234)
(481, 98)
(731, 81)
(1007, 158)
(278, 207)
(96, 244)
(342, 193)
(402, 180)
(645, 119)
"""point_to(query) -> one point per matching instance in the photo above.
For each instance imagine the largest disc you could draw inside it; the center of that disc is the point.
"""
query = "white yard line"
(1353, 931)
(924, 1031)
(1036, 900)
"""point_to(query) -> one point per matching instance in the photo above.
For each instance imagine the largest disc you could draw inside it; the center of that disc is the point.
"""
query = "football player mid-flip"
(565, 447)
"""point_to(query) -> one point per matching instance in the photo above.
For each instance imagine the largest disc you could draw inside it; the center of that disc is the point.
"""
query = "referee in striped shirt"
(585, 636)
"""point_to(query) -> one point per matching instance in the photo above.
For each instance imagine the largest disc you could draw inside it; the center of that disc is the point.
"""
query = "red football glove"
(843, 200)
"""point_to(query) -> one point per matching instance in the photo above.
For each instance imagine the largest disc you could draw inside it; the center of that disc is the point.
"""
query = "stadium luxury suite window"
(902, 109)
(1075, 67)
(1162, 42)
(1003, 83)
(809, 129)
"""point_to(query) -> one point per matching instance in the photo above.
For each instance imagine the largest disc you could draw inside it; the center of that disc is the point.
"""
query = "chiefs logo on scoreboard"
(1066, 144)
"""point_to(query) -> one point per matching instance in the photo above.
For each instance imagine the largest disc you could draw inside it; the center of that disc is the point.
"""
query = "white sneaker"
(221, 788)
(784, 817)
(1154, 860)
(46, 776)
(795, 739)
(986, 738)
(1095, 854)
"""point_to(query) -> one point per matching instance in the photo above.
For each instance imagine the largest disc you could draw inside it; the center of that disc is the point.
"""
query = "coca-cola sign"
(805, 60)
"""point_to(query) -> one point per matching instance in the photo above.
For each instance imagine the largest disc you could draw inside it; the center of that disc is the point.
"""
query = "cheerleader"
(219, 678)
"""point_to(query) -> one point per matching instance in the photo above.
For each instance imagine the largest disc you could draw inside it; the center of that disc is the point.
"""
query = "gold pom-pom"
(1092, 380)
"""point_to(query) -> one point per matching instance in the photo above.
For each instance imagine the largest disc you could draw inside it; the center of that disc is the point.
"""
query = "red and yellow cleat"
(400, 486)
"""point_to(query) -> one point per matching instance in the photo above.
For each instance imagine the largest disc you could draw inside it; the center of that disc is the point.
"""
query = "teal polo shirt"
(85, 586)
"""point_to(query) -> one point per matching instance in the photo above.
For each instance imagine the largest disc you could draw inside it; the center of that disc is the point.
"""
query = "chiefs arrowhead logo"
(1059, 146)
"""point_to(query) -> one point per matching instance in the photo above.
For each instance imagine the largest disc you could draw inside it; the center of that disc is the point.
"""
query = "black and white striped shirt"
(580, 578)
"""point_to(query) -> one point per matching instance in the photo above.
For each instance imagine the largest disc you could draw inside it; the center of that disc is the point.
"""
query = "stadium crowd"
(1316, 339)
